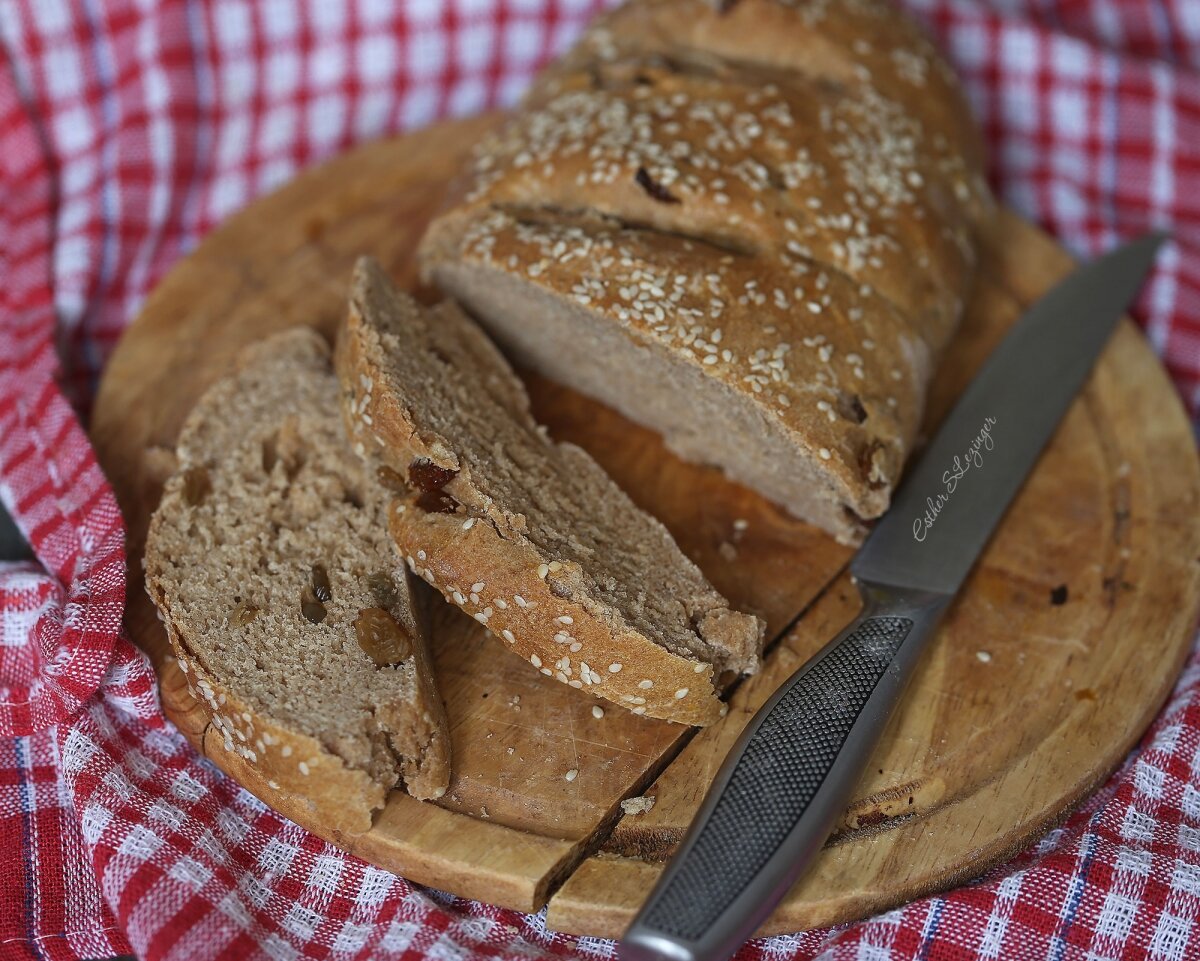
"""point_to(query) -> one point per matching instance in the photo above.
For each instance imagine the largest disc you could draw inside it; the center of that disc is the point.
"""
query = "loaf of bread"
(750, 226)
(290, 612)
(529, 536)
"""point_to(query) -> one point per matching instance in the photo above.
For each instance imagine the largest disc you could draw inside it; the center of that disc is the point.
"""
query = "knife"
(790, 775)
(12, 544)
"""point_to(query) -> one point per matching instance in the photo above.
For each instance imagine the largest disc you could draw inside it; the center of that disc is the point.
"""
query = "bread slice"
(748, 225)
(529, 536)
(286, 602)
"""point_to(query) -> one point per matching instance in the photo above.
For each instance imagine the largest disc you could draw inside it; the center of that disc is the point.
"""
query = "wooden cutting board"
(1064, 644)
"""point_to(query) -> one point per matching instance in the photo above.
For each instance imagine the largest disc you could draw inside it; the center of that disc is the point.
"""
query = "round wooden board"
(1025, 702)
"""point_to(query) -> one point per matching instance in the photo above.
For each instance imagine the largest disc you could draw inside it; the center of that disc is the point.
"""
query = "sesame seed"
(639, 710)
(481, 617)
(566, 619)
(508, 636)
(824, 452)
(501, 603)
(477, 587)
(681, 694)
(535, 660)
(304, 768)
(571, 774)
(555, 566)
(575, 646)
(547, 671)
(421, 555)
(614, 668)
(287, 750)
(597, 712)
(521, 602)
(468, 523)
(645, 684)
(542, 571)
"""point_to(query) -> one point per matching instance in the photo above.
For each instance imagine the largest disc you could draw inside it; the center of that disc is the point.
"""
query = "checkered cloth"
(128, 128)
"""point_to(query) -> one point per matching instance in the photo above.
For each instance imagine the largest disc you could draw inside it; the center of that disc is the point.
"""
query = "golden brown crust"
(793, 173)
(846, 42)
(562, 638)
(287, 760)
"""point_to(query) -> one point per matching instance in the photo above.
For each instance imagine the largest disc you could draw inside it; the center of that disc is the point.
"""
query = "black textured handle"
(780, 770)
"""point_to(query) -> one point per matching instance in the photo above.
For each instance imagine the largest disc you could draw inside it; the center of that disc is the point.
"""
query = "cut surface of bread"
(750, 226)
(529, 536)
(290, 612)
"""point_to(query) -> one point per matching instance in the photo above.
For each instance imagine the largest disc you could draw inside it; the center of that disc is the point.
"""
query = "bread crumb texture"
(529, 536)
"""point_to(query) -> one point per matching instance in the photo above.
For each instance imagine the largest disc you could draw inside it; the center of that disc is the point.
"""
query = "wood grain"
(1050, 665)
(1066, 690)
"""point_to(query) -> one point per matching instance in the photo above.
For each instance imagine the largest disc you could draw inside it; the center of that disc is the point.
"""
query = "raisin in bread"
(529, 536)
(750, 226)
(289, 610)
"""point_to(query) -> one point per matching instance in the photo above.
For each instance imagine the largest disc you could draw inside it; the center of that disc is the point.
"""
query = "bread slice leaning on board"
(290, 612)
(750, 226)
(529, 536)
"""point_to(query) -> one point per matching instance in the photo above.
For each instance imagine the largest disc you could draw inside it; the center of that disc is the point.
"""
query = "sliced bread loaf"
(288, 607)
(748, 225)
(529, 536)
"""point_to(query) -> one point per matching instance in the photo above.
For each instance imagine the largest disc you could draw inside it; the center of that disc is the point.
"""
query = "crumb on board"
(637, 805)
(597, 711)
(984, 656)
(728, 552)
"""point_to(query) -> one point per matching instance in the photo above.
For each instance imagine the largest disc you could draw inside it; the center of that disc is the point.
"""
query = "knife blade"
(13, 546)
(779, 792)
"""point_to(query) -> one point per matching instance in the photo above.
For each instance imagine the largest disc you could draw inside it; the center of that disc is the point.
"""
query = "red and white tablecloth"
(128, 128)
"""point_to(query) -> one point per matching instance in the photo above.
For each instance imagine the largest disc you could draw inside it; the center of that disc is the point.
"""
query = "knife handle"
(783, 786)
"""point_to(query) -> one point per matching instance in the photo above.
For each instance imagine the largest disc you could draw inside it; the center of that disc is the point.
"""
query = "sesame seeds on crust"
(588, 654)
(824, 375)
(845, 178)
(802, 233)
